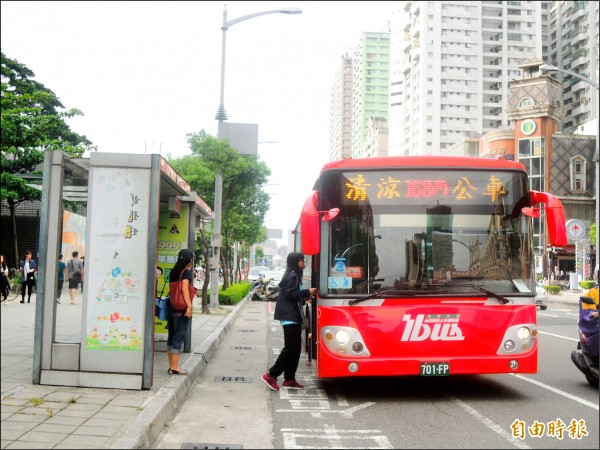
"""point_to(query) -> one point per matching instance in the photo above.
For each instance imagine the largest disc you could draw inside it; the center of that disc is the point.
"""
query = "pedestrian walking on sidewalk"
(287, 310)
(74, 270)
(4, 284)
(82, 271)
(27, 267)
(177, 322)
(60, 280)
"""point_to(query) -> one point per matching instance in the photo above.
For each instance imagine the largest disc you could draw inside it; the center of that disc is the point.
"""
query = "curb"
(564, 299)
(163, 406)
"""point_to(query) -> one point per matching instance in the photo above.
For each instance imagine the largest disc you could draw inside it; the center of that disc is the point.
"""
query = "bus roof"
(438, 162)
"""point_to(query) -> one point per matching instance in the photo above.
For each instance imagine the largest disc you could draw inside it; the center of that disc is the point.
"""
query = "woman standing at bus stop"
(177, 322)
(287, 311)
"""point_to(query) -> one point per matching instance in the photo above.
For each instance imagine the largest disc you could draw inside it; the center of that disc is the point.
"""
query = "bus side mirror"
(555, 217)
(310, 224)
(531, 212)
(331, 214)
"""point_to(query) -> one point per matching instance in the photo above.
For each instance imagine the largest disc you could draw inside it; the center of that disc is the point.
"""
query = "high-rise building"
(340, 111)
(572, 44)
(370, 95)
(451, 63)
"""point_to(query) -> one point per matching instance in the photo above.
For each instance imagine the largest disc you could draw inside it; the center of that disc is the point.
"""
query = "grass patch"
(72, 400)
(35, 401)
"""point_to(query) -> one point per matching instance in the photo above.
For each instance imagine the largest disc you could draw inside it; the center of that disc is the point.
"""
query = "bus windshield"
(419, 230)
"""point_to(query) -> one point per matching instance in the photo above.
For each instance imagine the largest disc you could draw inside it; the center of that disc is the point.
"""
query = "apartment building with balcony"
(370, 87)
(572, 29)
(340, 110)
(450, 66)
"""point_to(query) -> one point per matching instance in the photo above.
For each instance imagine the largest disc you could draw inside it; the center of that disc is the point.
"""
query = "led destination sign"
(415, 187)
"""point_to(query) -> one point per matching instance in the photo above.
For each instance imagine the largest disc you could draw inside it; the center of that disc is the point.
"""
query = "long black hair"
(183, 259)
(292, 265)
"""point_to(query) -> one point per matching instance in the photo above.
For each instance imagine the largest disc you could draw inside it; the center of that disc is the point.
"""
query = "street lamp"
(549, 67)
(222, 116)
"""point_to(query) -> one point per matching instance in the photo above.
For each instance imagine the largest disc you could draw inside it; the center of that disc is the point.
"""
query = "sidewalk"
(41, 416)
(567, 297)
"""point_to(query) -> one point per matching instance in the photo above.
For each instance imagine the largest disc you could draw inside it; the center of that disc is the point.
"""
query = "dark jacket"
(289, 299)
(32, 266)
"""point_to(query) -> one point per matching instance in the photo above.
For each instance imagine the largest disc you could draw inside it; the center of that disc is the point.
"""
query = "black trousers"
(287, 362)
(28, 283)
(59, 287)
(4, 285)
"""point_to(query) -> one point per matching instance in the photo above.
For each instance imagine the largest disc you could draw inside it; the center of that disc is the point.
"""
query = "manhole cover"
(243, 348)
(235, 379)
(248, 331)
(197, 445)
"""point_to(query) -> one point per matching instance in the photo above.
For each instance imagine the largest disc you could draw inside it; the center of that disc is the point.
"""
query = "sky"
(145, 74)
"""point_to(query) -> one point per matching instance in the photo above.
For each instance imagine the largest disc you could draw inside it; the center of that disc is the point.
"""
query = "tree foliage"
(244, 204)
(32, 121)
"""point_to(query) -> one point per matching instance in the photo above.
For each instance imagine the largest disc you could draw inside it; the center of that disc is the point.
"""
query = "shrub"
(553, 289)
(587, 284)
(233, 294)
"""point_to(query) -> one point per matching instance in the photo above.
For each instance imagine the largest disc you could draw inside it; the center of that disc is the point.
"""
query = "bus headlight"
(344, 341)
(342, 337)
(509, 346)
(523, 333)
(518, 339)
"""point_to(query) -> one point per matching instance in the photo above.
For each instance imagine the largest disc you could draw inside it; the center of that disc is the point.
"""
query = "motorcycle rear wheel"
(591, 379)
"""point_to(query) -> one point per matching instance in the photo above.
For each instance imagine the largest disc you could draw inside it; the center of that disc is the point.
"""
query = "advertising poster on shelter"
(172, 237)
(116, 273)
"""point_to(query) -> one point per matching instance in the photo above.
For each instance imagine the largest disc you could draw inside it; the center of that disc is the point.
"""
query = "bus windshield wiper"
(405, 292)
(498, 297)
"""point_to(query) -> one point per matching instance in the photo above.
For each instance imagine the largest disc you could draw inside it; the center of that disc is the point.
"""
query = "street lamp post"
(221, 113)
(549, 67)
(222, 116)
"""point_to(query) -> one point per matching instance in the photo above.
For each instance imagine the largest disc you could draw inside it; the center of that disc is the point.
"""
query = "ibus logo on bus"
(437, 327)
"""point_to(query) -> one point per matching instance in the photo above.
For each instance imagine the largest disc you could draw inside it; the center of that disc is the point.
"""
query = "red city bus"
(424, 266)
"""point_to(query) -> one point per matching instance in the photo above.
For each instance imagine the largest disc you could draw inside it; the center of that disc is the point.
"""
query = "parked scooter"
(585, 357)
(265, 289)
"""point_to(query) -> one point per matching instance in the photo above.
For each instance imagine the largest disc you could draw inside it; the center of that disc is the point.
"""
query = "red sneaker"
(291, 384)
(271, 381)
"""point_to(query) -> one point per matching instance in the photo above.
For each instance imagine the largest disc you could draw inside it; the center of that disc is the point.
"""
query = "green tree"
(32, 121)
(259, 253)
(244, 204)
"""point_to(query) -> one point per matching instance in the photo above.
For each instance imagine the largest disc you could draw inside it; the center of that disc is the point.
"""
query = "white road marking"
(491, 425)
(293, 437)
(546, 315)
(558, 336)
(557, 391)
(318, 413)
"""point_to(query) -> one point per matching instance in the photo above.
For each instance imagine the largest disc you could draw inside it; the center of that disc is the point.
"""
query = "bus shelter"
(138, 214)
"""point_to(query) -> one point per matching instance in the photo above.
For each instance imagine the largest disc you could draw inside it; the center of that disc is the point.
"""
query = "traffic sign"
(575, 229)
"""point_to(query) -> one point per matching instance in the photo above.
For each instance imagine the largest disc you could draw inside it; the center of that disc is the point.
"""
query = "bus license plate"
(438, 369)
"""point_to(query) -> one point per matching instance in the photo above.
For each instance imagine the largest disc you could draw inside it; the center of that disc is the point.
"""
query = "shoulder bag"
(162, 305)
(176, 300)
